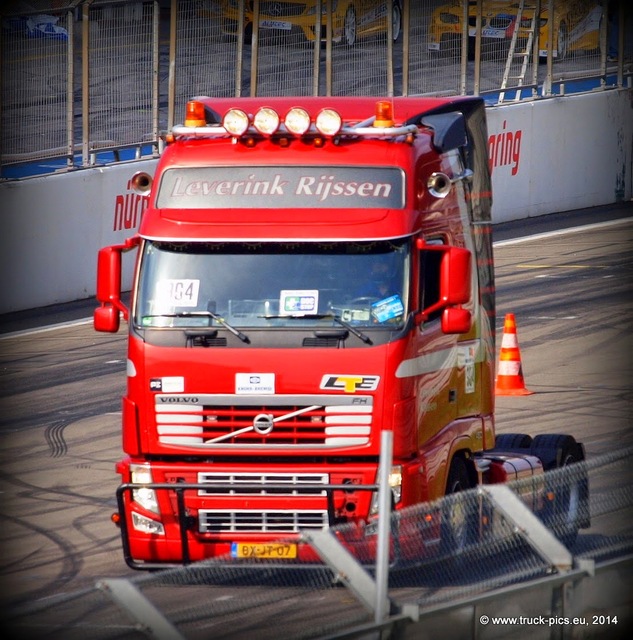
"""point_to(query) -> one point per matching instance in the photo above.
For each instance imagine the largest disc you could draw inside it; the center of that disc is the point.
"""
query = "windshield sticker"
(466, 359)
(177, 293)
(387, 309)
(298, 302)
(278, 187)
(254, 383)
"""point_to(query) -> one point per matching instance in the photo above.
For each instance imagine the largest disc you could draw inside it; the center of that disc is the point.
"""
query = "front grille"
(221, 483)
(322, 342)
(257, 521)
(306, 421)
(494, 22)
(281, 9)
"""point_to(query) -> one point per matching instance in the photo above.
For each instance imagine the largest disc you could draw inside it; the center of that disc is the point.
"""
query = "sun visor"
(449, 130)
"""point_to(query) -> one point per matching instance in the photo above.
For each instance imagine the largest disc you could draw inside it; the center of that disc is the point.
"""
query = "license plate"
(278, 550)
(489, 33)
(275, 24)
(493, 33)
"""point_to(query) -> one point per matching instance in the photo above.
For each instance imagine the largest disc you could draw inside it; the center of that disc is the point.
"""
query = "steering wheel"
(363, 301)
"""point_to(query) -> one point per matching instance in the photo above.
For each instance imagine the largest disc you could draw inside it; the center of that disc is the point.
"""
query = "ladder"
(523, 54)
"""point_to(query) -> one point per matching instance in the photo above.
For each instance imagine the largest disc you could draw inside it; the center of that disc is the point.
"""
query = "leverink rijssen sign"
(292, 187)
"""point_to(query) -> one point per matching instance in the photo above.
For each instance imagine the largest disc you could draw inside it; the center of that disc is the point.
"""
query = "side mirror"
(109, 275)
(454, 287)
(456, 320)
(455, 274)
(106, 319)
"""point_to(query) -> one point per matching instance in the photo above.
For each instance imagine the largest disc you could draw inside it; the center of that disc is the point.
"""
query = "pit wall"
(546, 156)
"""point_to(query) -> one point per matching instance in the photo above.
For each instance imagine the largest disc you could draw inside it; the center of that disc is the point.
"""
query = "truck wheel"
(512, 441)
(566, 507)
(349, 27)
(397, 20)
(563, 42)
(458, 525)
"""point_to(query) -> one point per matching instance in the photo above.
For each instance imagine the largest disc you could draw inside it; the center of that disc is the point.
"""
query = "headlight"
(266, 121)
(236, 122)
(144, 496)
(449, 18)
(328, 122)
(395, 484)
(147, 525)
(297, 121)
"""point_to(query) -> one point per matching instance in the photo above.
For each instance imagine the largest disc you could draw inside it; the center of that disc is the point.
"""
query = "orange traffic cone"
(510, 374)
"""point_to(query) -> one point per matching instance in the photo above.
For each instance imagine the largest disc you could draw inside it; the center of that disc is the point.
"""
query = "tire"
(397, 20)
(513, 441)
(562, 43)
(568, 509)
(349, 27)
(471, 48)
(458, 524)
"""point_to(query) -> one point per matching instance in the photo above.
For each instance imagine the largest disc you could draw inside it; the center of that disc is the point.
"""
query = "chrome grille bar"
(256, 521)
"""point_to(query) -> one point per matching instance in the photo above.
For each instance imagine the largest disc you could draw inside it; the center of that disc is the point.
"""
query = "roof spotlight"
(236, 122)
(266, 121)
(297, 121)
(328, 122)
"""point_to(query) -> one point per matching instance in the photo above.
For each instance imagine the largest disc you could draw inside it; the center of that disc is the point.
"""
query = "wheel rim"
(350, 27)
(573, 498)
(562, 41)
(458, 525)
(397, 22)
(457, 518)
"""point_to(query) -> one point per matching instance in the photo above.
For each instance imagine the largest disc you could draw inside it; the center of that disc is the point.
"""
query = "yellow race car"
(351, 19)
(575, 25)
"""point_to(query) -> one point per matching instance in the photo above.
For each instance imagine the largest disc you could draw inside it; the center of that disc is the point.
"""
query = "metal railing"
(87, 82)
(525, 563)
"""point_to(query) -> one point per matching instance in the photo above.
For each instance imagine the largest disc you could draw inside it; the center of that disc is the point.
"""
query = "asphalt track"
(567, 278)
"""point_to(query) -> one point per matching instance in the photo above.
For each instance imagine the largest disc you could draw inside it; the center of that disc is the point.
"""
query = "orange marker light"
(195, 115)
(384, 114)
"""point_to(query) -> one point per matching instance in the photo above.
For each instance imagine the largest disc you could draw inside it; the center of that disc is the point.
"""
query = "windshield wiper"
(204, 314)
(324, 316)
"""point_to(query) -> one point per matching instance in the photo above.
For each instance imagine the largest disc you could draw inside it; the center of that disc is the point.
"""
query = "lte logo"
(350, 384)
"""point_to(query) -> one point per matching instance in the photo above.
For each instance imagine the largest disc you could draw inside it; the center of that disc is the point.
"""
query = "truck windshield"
(199, 284)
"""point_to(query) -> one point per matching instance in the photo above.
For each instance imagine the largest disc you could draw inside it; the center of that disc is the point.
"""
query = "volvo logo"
(263, 424)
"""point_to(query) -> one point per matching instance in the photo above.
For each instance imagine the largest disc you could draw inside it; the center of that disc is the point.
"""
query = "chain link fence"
(497, 553)
(86, 82)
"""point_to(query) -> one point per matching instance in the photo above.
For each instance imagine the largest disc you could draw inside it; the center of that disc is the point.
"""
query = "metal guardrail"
(86, 82)
(518, 570)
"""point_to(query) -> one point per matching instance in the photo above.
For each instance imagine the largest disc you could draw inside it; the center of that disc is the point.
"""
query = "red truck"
(310, 272)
